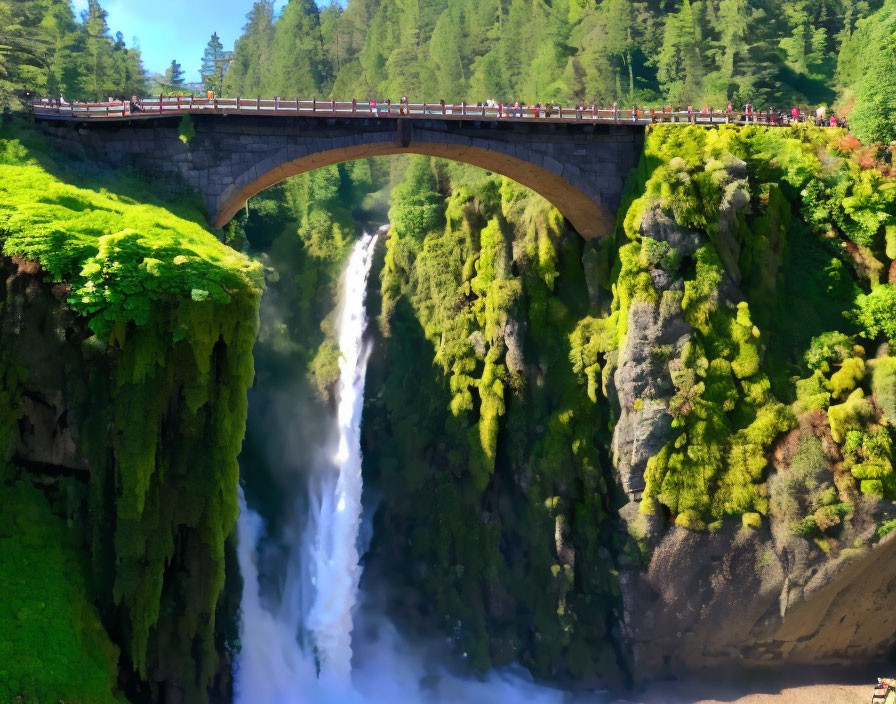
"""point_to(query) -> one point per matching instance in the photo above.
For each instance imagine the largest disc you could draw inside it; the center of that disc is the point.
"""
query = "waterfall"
(304, 644)
(335, 515)
(299, 651)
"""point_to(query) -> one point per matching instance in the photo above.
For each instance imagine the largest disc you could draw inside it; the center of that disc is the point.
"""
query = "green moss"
(53, 646)
(851, 415)
(884, 386)
(848, 377)
(175, 313)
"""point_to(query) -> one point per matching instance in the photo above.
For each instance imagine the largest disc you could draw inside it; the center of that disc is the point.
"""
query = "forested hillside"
(653, 51)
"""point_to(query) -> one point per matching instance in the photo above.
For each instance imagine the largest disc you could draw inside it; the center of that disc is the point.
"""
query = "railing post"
(160, 103)
(463, 108)
(237, 103)
(276, 103)
(258, 104)
(314, 105)
(333, 106)
(178, 103)
(616, 113)
(442, 103)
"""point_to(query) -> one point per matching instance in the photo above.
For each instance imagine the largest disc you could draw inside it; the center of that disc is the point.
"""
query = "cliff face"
(767, 498)
(670, 450)
(126, 334)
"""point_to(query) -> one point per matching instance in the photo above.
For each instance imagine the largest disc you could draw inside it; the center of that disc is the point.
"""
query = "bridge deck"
(171, 107)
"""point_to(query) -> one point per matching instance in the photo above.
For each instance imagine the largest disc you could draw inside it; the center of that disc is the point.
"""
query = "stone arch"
(562, 184)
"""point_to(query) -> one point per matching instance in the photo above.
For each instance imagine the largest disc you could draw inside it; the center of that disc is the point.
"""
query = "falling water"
(299, 650)
(284, 649)
(335, 514)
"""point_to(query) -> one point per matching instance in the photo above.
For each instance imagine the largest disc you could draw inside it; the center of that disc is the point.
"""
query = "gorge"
(502, 449)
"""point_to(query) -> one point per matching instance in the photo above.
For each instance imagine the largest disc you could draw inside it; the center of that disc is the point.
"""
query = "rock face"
(38, 329)
(732, 599)
(657, 332)
(739, 596)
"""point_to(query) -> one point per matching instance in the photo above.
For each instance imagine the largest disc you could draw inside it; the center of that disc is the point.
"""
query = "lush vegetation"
(796, 218)
(683, 52)
(168, 322)
(53, 647)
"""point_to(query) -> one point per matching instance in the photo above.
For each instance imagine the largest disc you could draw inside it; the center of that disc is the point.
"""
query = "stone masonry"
(579, 168)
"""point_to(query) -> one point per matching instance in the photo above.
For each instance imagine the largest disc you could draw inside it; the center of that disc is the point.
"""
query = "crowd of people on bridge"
(747, 114)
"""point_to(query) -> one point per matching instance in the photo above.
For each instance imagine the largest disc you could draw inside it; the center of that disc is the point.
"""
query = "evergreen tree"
(868, 61)
(299, 66)
(174, 76)
(99, 51)
(444, 49)
(251, 55)
(214, 64)
(24, 51)
(680, 67)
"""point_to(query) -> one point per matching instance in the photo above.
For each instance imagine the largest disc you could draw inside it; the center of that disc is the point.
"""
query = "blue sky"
(175, 29)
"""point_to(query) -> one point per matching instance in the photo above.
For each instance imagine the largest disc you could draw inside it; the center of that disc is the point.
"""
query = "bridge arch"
(577, 199)
(578, 166)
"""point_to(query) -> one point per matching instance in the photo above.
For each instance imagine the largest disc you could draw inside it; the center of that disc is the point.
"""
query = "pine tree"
(24, 51)
(252, 53)
(174, 76)
(214, 64)
(99, 50)
(444, 49)
(299, 66)
(680, 67)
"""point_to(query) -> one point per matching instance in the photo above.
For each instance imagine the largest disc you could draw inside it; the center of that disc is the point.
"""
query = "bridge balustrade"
(165, 106)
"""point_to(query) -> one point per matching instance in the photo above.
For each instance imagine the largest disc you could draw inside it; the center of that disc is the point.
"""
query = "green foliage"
(488, 293)
(851, 415)
(874, 312)
(868, 65)
(186, 130)
(44, 50)
(615, 50)
(827, 349)
(848, 377)
(175, 313)
(884, 386)
(53, 647)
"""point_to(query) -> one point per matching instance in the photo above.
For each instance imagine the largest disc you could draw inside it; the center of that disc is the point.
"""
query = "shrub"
(883, 384)
(848, 377)
(751, 520)
(828, 349)
(874, 312)
(851, 415)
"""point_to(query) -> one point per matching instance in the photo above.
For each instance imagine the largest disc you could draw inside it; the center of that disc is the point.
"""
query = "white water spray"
(321, 583)
(335, 514)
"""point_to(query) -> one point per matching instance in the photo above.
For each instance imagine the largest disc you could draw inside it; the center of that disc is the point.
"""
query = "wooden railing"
(154, 107)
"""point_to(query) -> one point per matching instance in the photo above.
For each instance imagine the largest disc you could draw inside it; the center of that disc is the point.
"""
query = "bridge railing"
(152, 107)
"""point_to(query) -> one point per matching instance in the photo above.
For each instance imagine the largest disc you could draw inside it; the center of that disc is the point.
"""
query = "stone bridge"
(578, 165)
